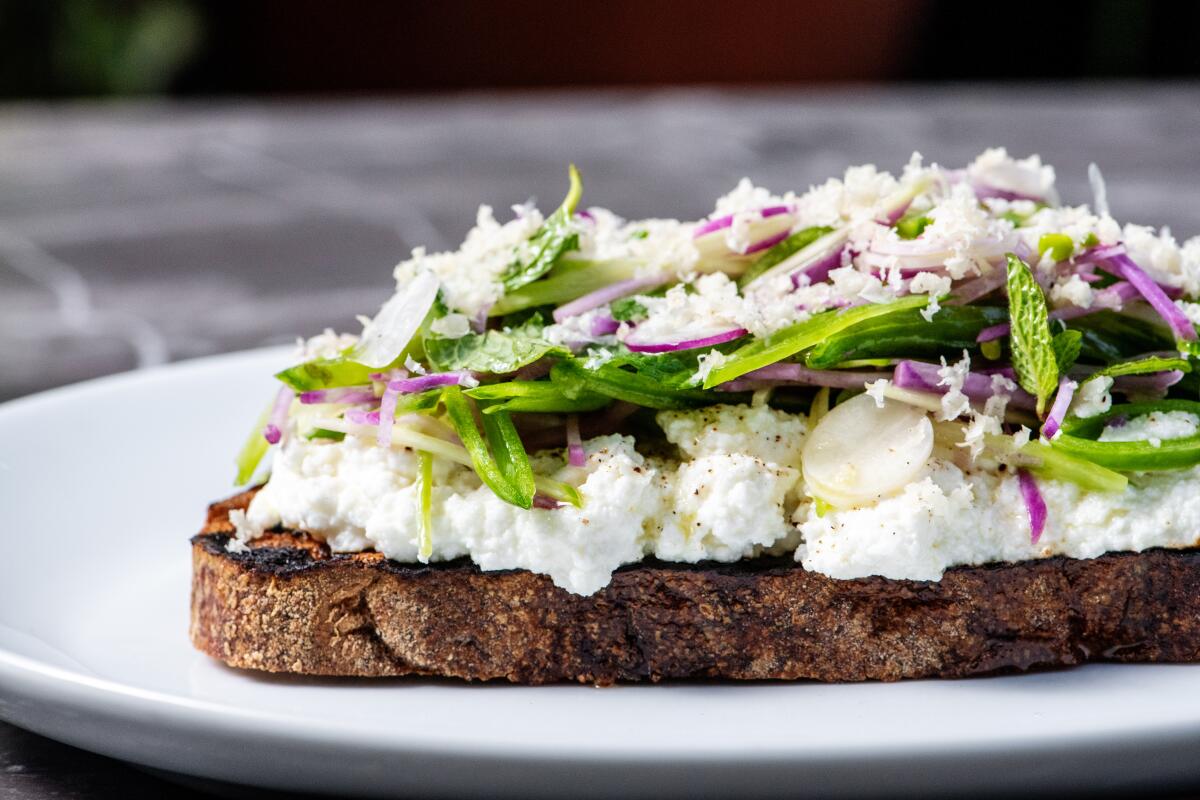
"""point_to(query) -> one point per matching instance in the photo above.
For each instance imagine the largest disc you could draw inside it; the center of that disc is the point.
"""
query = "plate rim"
(37, 680)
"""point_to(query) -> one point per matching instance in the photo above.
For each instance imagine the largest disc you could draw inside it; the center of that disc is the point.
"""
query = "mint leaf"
(497, 352)
(1032, 345)
(778, 253)
(627, 310)
(556, 236)
(1066, 349)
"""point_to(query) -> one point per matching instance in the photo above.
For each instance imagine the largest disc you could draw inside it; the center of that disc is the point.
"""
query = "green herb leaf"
(803, 335)
(911, 226)
(496, 352)
(1032, 345)
(785, 249)
(627, 310)
(556, 236)
(462, 418)
(569, 280)
(325, 373)
(1059, 244)
(1066, 346)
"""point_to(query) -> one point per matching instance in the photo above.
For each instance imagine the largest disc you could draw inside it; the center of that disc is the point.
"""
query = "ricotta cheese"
(950, 517)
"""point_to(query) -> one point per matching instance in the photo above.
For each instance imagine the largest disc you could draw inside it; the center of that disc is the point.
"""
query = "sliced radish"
(767, 227)
(860, 452)
(385, 337)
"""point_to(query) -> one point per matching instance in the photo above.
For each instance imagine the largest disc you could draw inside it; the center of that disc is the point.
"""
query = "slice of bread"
(288, 605)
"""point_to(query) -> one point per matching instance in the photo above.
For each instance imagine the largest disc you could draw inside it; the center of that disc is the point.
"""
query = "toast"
(289, 605)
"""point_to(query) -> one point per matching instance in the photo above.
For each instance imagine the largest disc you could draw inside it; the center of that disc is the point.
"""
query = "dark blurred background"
(75, 48)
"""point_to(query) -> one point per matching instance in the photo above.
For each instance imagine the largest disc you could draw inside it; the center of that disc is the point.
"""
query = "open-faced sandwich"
(930, 425)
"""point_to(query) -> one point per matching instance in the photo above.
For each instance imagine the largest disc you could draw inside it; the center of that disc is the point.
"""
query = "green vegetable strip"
(254, 449)
(562, 285)
(1030, 339)
(425, 463)
(777, 254)
(535, 396)
(1048, 461)
(510, 454)
(1078, 438)
(907, 335)
(458, 409)
(1143, 366)
(620, 384)
(803, 335)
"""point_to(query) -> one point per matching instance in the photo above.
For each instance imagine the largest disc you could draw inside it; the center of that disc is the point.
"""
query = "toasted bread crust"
(288, 605)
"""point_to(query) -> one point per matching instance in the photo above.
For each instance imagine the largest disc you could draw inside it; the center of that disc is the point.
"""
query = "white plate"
(102, 484)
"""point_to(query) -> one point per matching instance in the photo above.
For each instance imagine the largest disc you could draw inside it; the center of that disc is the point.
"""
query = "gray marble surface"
(135, 234)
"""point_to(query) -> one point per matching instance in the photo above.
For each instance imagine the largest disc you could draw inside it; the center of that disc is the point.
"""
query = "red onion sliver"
(430, 381)
(341, 394)
(1099, 253)
(357, 416)
(273, 433)
(922, 377)
(1154, 384)
(1034, 504)
(548, 503)
(787, 373)
(1062, 401)
(606, 295)
(985, 191)
(770, 241)
(976, 288)
(575, 455)
(689, 344)
(603, 325)
(819, 270)
(720, 223)
(1124, 266)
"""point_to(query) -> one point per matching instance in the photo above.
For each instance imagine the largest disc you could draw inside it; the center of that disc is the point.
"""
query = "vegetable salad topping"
(958, 314)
